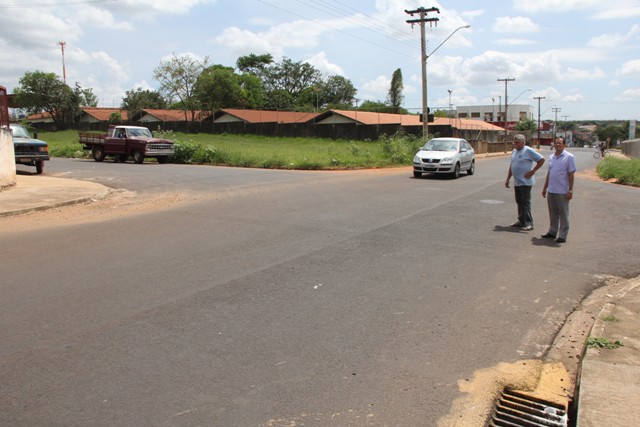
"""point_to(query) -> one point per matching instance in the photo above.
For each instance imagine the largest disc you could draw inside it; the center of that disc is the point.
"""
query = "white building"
(495, 113)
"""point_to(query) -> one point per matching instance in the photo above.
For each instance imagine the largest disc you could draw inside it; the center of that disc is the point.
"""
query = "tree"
(138, 99)
(252, 90)
(254, 64)
(45, 92)
(177, 77)
(526, 125)
(338, 91)
(395, 97)
(374, 106)
(218, 87)
(285, 82)
(611, 133)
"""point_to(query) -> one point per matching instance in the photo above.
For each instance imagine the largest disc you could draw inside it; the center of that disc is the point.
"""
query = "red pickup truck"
(124, 141)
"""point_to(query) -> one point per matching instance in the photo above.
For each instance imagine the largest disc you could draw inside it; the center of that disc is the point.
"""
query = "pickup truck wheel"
(163, 160)
(39, 166)
(98, 154)
(138, 157)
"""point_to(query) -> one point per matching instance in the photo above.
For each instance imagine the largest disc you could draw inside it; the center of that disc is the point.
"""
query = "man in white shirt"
(558, 189)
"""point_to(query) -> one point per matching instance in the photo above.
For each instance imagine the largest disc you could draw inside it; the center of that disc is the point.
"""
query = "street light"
(425, 57)
(514, 99)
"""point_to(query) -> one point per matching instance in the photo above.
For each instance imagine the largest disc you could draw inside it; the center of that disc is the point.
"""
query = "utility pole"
(449, 90)
(555, 122)
(538, 98)
(423, 46)
(64, 71)
(506, 104)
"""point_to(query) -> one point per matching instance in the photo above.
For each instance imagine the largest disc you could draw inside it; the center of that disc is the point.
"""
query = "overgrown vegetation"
(603, 343)
(268, 152)
(625, 171)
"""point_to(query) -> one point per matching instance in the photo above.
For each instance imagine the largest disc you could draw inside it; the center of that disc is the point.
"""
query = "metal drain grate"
(518, 409)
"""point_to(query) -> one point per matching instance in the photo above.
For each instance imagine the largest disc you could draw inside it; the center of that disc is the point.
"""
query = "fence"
(631, 148)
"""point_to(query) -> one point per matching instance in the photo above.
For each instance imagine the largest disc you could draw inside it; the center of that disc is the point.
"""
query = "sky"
(582, 56)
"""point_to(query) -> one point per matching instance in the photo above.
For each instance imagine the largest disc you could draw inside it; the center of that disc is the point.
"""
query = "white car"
(445, 155)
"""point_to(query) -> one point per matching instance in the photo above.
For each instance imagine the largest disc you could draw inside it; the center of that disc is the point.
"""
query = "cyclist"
(602, 148)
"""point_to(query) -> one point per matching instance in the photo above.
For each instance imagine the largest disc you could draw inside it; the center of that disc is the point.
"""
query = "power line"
(317, 22)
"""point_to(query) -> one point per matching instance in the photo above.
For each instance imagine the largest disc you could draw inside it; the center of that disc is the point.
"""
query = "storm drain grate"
(518, 409)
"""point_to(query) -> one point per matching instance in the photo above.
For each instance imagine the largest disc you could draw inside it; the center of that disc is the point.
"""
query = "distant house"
(159, 116)
(99, 115)
(39, 118)
(367, 118)
(233, 115)
(472, 130)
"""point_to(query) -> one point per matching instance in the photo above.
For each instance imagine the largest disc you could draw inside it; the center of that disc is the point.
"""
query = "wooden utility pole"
(506, 105)
(538, 98)
(423, 44)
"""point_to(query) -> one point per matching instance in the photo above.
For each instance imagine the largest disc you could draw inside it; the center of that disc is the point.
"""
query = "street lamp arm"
(514, 99)
(443, 41)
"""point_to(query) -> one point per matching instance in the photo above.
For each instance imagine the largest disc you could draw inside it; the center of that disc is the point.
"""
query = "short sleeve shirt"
(522, 161)
(560, 166)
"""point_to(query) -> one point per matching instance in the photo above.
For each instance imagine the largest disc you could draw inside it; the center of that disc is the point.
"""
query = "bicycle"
(598, 154)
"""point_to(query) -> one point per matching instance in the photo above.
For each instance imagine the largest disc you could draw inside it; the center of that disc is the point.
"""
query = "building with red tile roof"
(230, 115)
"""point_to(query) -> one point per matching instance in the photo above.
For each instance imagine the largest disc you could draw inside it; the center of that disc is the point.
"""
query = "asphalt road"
(271, 298)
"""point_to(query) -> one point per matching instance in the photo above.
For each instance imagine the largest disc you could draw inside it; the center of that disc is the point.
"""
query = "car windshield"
(441, 145)
(19, 131)
(140, 132)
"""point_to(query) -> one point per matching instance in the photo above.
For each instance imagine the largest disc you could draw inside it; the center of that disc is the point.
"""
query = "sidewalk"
(39, 192)
(609, 378)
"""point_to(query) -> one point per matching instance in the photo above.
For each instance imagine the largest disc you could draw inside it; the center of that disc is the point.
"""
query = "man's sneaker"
(560, 240)
(516, 224)
(548, 236)
(527, 228)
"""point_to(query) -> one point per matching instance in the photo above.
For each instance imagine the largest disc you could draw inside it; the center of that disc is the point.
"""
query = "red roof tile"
(266, 116)
(103, 114)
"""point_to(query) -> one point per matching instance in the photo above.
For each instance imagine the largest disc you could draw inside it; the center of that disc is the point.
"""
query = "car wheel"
(138, 157)
(472, 168)
(417, 174)
(98, 154)
(456, 171)
(39, 166)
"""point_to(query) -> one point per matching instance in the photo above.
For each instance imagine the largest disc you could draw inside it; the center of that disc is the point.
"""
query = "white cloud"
(550, 94)
(606, 41)
(630, 68)
(632, 95)
(514, 24)
(574, 74)
(321, 62)
(573, 98)
(554, 5)
(377, 89)
(513, 42)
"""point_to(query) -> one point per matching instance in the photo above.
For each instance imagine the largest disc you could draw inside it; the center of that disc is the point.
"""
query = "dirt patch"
(116, 205)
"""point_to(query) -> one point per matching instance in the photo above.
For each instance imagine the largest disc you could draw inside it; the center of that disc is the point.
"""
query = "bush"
(624, 170)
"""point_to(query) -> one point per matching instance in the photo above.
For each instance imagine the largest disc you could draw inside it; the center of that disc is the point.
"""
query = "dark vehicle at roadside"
(28, 151)
(122, 142)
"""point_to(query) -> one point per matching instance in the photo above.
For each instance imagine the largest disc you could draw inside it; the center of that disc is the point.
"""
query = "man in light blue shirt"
(558, 189)
(525, 161)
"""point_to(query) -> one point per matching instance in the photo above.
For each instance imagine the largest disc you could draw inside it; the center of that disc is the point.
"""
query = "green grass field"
(267, 152)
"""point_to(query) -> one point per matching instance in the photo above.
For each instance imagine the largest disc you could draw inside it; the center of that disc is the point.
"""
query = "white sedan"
(445, 155)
